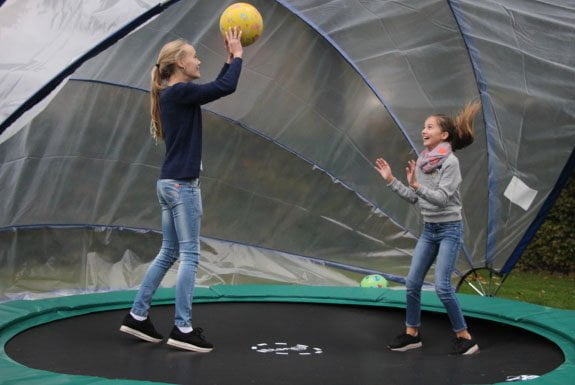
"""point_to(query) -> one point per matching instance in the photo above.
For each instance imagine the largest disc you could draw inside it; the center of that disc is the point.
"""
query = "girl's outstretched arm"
(384, 170)
(396, 186)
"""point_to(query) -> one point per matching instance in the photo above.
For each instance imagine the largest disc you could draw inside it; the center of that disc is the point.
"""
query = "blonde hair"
(163, 69)
(459, 128)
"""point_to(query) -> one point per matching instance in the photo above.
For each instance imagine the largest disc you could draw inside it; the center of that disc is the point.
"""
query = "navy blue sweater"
(182, 120)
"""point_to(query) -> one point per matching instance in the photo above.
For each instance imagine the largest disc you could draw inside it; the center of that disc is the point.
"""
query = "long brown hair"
(163, 69)
(460, 127)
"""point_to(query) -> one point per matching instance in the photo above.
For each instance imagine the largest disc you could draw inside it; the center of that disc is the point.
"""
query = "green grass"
(540, 288)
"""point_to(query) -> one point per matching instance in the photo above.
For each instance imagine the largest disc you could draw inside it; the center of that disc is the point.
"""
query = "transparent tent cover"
(289, 191)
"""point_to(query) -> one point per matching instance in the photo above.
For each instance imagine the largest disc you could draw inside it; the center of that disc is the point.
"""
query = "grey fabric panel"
(527, 64)
(41, 38)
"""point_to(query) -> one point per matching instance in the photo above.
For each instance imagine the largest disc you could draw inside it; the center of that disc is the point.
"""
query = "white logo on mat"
(282, 348)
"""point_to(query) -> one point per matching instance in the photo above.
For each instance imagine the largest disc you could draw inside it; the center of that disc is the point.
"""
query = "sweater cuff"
(419, 191)
(392, 183)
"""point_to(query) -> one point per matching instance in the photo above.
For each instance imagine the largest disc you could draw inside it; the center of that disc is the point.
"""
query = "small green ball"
(374, 280)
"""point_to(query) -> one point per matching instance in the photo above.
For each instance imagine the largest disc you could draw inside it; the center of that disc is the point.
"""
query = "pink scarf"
(430, 160)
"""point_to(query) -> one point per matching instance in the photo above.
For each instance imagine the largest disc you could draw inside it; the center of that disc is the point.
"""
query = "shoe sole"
(139, 334)
(187, 346)
(407, 347)
(472, 350)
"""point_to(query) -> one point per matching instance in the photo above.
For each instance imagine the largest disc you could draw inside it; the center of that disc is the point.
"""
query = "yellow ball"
(245, 16)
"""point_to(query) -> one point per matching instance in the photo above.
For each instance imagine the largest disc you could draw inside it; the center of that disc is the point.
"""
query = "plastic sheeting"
(117, 259)
(41, 40)
(288, 159)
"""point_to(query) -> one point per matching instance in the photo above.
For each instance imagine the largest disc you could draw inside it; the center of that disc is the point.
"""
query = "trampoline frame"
(556, 325)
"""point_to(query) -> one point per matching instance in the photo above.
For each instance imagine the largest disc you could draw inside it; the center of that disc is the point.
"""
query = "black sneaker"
(141, 329)
(464, 346)
(405, 342)
(193, 340)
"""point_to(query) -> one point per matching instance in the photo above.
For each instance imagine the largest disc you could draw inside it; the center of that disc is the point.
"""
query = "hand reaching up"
(410, 173)
(384, 169)
(233, 43)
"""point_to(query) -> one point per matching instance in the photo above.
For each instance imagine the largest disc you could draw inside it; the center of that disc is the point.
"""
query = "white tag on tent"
(519, 193)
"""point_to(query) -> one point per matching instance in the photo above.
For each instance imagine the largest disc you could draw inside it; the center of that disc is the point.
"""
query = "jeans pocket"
(194, 196)
(170, 192)
(456, 230)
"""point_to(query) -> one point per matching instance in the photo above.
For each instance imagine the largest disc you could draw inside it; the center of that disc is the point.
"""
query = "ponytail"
(156, 129)
(163, 69)
(460, 128)
(464, 126)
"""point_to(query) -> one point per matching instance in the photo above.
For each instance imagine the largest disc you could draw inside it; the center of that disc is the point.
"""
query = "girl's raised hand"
(410, 173)
(384, 169)
(233, 43)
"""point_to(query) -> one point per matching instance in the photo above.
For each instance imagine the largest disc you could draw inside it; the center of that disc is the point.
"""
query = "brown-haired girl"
(434, 182)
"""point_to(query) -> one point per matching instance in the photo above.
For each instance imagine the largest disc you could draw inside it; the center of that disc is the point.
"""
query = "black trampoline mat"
(303, 344)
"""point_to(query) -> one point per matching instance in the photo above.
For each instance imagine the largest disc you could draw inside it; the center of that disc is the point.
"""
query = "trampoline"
(283, 335)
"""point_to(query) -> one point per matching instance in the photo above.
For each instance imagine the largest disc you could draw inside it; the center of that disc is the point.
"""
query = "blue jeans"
(181, 203)
(441, 240)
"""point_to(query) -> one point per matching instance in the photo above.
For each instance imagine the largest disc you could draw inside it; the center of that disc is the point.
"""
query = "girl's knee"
(444, 291)
(413, 284)
(167, 256)
(189, 253)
